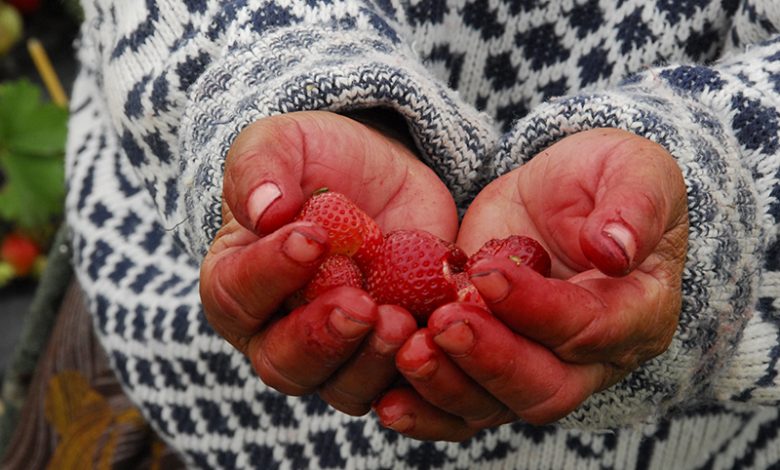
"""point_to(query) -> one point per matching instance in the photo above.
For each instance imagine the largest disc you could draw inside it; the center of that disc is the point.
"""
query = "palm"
(553, 197)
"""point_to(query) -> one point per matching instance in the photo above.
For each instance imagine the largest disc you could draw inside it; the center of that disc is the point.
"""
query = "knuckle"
(450, 401)
(223, 309)
(549, 409)
(276, 378)
(591, 340)
(498, 376)
(495, 417)
(344, 401)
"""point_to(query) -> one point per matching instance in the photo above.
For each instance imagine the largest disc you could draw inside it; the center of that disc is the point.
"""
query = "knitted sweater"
(483, 85)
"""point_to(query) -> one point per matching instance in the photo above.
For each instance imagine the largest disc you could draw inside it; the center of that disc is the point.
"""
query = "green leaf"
(34, 191)
(42, 132)
(17, 101)
(32, 146)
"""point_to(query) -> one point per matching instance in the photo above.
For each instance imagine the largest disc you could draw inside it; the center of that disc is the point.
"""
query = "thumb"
(262, 183)
(641, 196)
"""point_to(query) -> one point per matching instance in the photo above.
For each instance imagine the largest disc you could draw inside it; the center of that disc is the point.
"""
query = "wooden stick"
(47, 73)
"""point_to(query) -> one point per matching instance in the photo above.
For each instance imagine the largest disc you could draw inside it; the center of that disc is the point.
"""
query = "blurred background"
(37, 68)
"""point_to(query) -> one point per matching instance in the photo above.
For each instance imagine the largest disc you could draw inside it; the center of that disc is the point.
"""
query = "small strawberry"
(335, 271)
(415, 269)
(520, 249)
(351, 231)
(26, 7)
(20, 252)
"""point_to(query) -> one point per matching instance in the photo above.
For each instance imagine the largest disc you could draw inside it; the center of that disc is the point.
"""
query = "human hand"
(342, 344)
(610, 207)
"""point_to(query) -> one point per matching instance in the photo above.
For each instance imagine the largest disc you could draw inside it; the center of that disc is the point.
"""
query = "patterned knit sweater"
(483, 86)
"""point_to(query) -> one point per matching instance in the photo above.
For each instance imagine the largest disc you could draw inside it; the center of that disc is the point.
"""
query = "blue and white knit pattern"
(166, 85)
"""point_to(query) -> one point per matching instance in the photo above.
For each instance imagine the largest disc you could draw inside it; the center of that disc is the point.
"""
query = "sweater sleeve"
(722, 124)
(182, 78)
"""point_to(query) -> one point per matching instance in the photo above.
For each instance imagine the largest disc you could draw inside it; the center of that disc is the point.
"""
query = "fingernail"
(424, 372)
(457, 339)
(403, 424)
(383, 347)
(303, 248)
(346, 325)
(261, 199)
(623, 238)
(492, 285)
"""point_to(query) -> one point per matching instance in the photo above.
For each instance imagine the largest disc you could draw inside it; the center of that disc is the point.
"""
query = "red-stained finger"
(371, 370)
(440, 382)
(527, 377)
(618, 321)
(243, 283)
(297, 353)
(403, 410)
(640, 196)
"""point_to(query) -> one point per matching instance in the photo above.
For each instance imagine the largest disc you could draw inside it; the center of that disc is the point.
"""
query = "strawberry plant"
(32, 187)
(32, 143)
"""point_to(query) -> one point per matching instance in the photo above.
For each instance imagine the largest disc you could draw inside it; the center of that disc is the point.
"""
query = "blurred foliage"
(32, 145)
(73, 7)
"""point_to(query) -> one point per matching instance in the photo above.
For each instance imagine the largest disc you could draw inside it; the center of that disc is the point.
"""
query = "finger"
(372, 370)
(404, 411)
(441, 383)
(296, 354)
(263, 170)
(242, 285)
(641, 195)
(622, 322)
(527, 377)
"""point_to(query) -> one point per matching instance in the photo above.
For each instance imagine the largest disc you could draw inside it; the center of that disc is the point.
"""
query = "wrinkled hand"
(610, 207)
(342, 344)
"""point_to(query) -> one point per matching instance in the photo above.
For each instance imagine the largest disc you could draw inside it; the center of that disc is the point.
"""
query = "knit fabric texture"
(483, 85)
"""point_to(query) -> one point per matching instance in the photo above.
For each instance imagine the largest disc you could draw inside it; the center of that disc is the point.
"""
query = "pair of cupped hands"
(609, 206)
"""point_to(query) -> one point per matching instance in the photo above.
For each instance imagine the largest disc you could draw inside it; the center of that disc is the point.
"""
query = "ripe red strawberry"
(372, 242)
(415, 269)
(20, 252)
(26, 6)
(351, 231)
(520, 249)
(335, 271)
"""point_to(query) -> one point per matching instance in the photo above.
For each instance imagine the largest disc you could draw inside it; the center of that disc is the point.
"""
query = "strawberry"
(335, 271)
(26, 6)
(20, 252)
(415, 269)
(351, 231)
(520, 249)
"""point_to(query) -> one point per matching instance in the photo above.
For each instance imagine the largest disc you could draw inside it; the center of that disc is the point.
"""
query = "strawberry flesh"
(520, 249)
